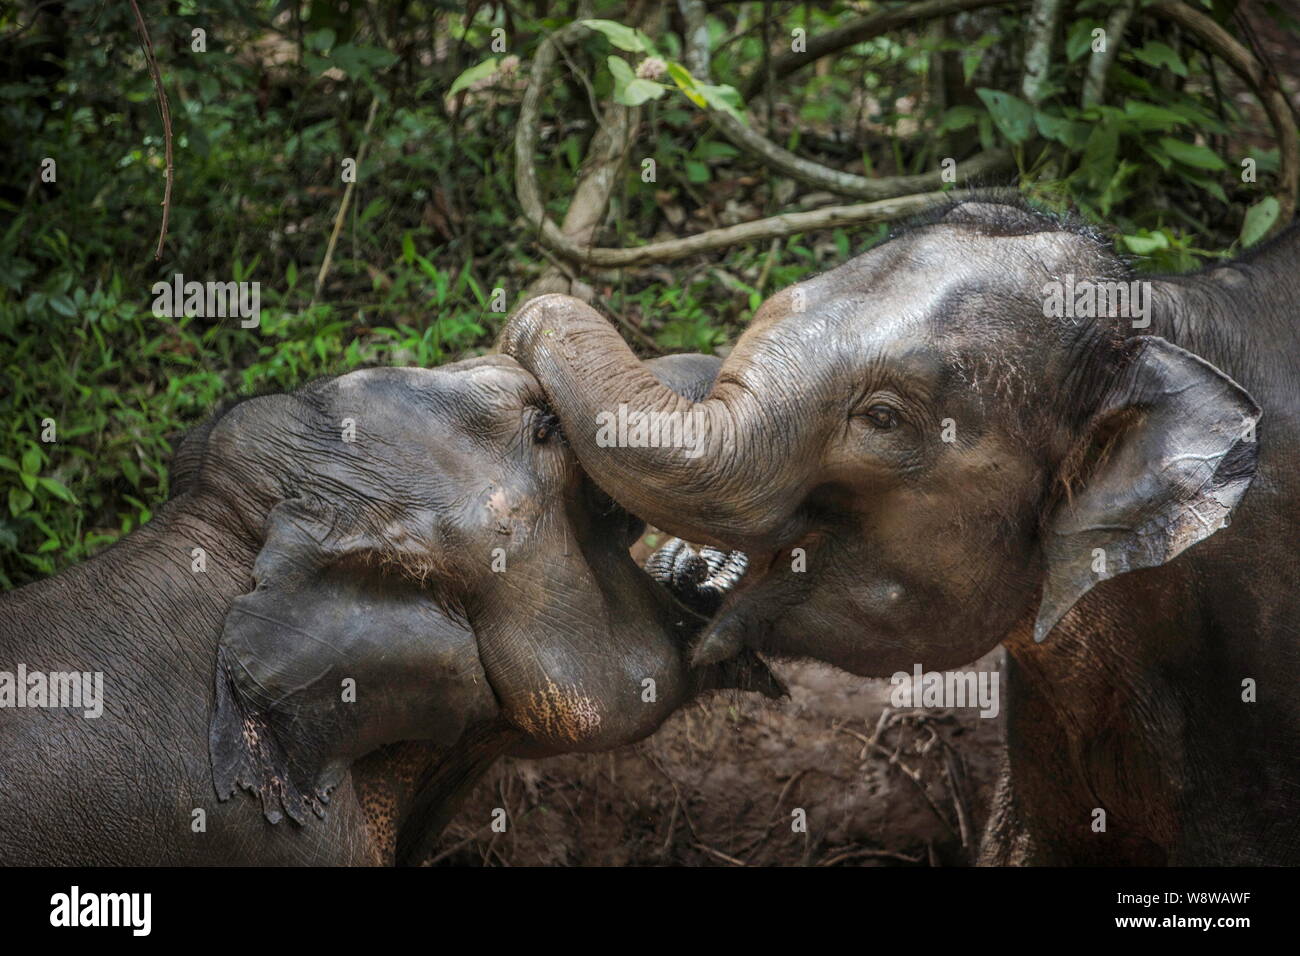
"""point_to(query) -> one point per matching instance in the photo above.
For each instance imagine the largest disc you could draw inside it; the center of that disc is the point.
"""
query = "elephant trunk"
(707, 471)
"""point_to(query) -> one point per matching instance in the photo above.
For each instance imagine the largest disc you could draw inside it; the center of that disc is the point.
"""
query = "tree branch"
(164, 109)
(856, 31)
(1237, 56)
(553, 238)
(1094, 84)
(806, 171)
(1044, 18)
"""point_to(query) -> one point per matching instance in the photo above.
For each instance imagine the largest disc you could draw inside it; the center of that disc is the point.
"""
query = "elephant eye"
(545, 425)
(882, 417)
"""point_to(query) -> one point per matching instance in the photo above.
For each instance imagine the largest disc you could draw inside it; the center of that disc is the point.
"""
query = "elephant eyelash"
(882, 417)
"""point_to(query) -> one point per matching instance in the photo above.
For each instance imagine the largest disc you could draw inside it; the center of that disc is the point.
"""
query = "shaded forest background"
(787, 135)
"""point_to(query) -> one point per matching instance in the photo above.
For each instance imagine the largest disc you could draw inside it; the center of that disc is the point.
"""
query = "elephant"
(987, 431)
(357, 597)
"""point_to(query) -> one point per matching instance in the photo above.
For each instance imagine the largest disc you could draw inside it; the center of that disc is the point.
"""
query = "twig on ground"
(863, 853)
(719, 854)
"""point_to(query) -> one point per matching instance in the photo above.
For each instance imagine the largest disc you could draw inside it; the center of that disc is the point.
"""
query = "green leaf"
(1161, 56)
(686, 83)
(625, 38)
(1079, 40)
(319, 40)
(19, 501)
(1071, 133)
(1013, 116)
(31, 462)
(1190, 154)
(958, 117)
(1259, 220)
(725, 99)
(1098, 163)
(473, 75)
(315, 64)
(1148, 116)
(360, 61)
(1209, 185)
(57, 489)
(630, 90)
(1146, 243)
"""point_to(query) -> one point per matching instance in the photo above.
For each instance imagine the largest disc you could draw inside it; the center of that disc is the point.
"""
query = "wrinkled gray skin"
(1074, 441)
(329, 561)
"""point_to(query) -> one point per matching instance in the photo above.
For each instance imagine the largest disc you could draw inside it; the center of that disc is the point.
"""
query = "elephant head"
(429, 557)
(919, 450)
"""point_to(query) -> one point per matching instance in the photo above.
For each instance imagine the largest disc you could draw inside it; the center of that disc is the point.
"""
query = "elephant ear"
(334, 653)
(1171, 451)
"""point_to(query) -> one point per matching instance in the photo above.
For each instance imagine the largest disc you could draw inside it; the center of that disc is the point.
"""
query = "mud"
(720, 784)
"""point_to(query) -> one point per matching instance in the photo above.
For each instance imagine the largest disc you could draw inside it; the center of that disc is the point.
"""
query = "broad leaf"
(473, 75)
(1259, 220)
(1013, 116)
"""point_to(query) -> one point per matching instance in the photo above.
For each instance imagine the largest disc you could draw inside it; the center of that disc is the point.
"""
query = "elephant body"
(123, 787)
(957, 462)
(358, 597)
(1165, 696)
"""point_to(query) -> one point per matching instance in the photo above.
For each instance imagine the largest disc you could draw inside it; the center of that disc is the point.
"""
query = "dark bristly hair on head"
(994, 213)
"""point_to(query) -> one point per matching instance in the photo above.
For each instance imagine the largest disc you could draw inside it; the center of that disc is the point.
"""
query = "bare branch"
(772, 227)
(1044, 18)
(552, 237)
(856, 31)
(164, 110)
(849, 184)
(806, 171)
(1094, 84)
(343, 206)
(1237, 56)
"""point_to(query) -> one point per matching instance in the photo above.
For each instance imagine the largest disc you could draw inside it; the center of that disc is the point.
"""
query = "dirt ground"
(719, 783)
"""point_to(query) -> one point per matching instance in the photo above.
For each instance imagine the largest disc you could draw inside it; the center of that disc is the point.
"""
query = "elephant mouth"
(699, 577)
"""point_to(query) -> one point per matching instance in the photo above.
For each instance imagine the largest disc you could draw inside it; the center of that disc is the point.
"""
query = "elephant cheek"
(598, 700)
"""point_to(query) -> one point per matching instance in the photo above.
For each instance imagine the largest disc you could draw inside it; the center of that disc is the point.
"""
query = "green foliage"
(265, 116)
